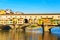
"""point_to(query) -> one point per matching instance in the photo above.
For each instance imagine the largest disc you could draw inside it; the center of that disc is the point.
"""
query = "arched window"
(25, 20)
(52, 16)
(58, 16)
(46, 16)
(41, 16)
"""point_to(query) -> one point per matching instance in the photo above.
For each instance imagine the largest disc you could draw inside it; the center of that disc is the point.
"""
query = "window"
(46, 16)
(52, 16)
(41, 16)
(25, 21)
(58, 16)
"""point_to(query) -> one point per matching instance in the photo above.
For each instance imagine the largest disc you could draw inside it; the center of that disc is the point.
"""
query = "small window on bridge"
(41, 16)
(46, 16)
(52, 16)
(58, 16)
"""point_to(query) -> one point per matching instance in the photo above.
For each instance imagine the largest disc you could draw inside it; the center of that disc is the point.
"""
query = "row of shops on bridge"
(21, 20)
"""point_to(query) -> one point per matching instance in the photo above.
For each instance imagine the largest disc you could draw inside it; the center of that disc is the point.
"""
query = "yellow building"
(2, 12)
(40, 21)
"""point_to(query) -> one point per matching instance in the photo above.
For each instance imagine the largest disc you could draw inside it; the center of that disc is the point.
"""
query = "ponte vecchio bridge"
(49, 20)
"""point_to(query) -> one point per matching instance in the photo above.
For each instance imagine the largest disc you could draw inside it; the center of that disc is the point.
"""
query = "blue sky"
(32, 6)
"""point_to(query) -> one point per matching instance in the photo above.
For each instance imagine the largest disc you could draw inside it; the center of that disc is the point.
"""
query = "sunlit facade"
(32, 18)
(2, 12)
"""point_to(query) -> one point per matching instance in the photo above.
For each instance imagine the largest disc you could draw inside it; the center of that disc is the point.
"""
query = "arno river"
(21, 35)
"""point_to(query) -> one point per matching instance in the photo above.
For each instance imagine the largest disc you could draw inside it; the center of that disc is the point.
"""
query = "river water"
(21, 35)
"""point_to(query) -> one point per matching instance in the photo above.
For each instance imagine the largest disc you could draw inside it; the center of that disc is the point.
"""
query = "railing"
(10, 22)
(6, 22)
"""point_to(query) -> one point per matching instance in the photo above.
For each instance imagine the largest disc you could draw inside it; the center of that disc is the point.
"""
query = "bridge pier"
(46, 28)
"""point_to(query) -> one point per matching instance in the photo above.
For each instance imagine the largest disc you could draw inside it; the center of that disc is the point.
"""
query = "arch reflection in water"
(55, 30)
(34, 36)
(35, 30)
(56, 35)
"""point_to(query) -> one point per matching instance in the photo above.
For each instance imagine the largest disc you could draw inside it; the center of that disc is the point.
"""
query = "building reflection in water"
(48, 36)
(18, 35)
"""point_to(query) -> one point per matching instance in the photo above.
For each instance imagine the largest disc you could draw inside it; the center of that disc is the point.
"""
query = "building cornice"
(34, 14)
